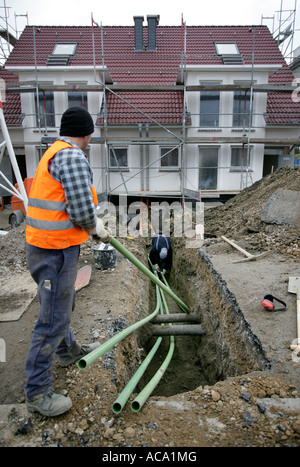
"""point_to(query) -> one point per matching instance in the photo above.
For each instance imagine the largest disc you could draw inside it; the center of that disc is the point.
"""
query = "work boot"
(84, 350)
(50, 405)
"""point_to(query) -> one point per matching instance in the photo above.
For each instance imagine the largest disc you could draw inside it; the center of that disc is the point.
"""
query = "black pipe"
(178, 330)
(176, 318)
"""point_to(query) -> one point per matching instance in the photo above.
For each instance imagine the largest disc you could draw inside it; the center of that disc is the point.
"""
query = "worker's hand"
(156, 267)
(163, 272)
(101, 232)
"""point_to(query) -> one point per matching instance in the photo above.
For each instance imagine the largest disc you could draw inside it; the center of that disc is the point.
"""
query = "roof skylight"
(226, 48)
(64, 48)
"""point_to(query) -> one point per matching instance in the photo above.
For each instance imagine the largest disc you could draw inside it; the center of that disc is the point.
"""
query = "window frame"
(241, 115)
(240, 168)
(169, 152)
(116, 168)
(64, 54)
(218, 46)
(212, 171)
(44, 117)
(206, 94)
(84, 94)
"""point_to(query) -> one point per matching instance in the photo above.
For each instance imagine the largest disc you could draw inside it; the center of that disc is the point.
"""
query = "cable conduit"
(118, 246)
(88, 359)
(139, 401)
(121, 400)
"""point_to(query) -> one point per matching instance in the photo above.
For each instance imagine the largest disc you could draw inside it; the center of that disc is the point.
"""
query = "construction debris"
(249, 256)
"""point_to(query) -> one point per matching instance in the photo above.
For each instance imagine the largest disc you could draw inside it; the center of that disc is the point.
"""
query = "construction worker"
(161, 253)
(61, 214)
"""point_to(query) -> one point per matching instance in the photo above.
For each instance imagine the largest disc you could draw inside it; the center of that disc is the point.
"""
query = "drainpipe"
(141, 157)
(147, 158)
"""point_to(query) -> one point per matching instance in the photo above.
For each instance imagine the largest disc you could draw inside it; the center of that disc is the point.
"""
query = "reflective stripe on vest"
(49, 225)
(47, 221)
(46, 204)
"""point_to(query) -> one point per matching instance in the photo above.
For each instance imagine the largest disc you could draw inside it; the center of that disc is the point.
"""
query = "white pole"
(12, 156)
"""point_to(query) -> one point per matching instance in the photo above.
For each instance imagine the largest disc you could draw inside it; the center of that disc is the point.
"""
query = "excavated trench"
(228, 348)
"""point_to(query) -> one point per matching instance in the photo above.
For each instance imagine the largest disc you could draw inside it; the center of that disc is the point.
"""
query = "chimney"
(152, 23)
(138, 32)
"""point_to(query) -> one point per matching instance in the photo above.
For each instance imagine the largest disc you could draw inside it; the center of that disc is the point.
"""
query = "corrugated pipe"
(121, 400)
(139, 401)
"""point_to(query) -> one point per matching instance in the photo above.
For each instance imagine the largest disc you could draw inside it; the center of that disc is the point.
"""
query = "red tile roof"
(127, 66)
(11, 101)
(161, 107)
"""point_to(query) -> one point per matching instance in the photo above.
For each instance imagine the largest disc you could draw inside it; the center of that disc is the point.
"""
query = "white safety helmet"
(163, 253)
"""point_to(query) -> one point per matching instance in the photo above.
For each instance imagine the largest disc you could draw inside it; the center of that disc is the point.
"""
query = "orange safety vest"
(47, 222)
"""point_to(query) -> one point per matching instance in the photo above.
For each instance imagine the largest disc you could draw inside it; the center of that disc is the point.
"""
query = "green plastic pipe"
(121, 400)
(139, 401)
(88, 359)
(118, 246)
(129, 388)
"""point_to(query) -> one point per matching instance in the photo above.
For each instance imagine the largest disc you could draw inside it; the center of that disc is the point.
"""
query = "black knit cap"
(76, 121)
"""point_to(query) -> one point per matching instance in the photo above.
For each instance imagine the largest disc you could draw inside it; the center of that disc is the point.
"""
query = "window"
(208, 168)
(169, 159)
(77, 97)
(45, 109)
(239, 158)
(118, 158)
(229, 53)
(65, 48)
(227, 48)
(62, 53)
(209, 108)
(241, 109)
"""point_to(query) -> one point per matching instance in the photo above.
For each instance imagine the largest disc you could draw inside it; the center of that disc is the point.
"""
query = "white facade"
(144, 172)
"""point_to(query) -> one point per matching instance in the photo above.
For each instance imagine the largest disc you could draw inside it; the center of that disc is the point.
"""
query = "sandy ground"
(256, 408)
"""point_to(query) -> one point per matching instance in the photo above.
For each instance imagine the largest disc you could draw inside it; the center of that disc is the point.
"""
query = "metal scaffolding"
(175, 140)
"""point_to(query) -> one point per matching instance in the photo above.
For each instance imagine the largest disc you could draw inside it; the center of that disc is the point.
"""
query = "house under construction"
(180, 111)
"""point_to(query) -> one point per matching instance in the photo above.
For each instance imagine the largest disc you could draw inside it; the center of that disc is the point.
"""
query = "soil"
(236, 386)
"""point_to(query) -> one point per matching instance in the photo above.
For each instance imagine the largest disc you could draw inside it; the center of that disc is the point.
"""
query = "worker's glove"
(100, 231)
(103, 234)
(163, 272)
(156, 267)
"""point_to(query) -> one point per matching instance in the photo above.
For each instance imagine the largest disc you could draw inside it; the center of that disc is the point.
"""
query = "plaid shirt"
(71, 168)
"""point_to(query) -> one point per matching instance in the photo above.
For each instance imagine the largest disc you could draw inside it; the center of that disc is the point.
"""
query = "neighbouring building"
(179, 111)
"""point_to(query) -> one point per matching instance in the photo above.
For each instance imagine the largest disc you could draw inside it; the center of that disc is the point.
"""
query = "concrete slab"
(283, 207)
(24, 290)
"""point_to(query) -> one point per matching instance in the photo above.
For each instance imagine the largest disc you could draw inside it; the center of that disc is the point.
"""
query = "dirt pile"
(240, 217)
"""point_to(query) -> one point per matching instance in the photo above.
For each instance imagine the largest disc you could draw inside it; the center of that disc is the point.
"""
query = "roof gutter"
(55, 68)
(271, 68)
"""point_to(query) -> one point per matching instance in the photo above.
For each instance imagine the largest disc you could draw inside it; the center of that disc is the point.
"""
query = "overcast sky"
(120, 12)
